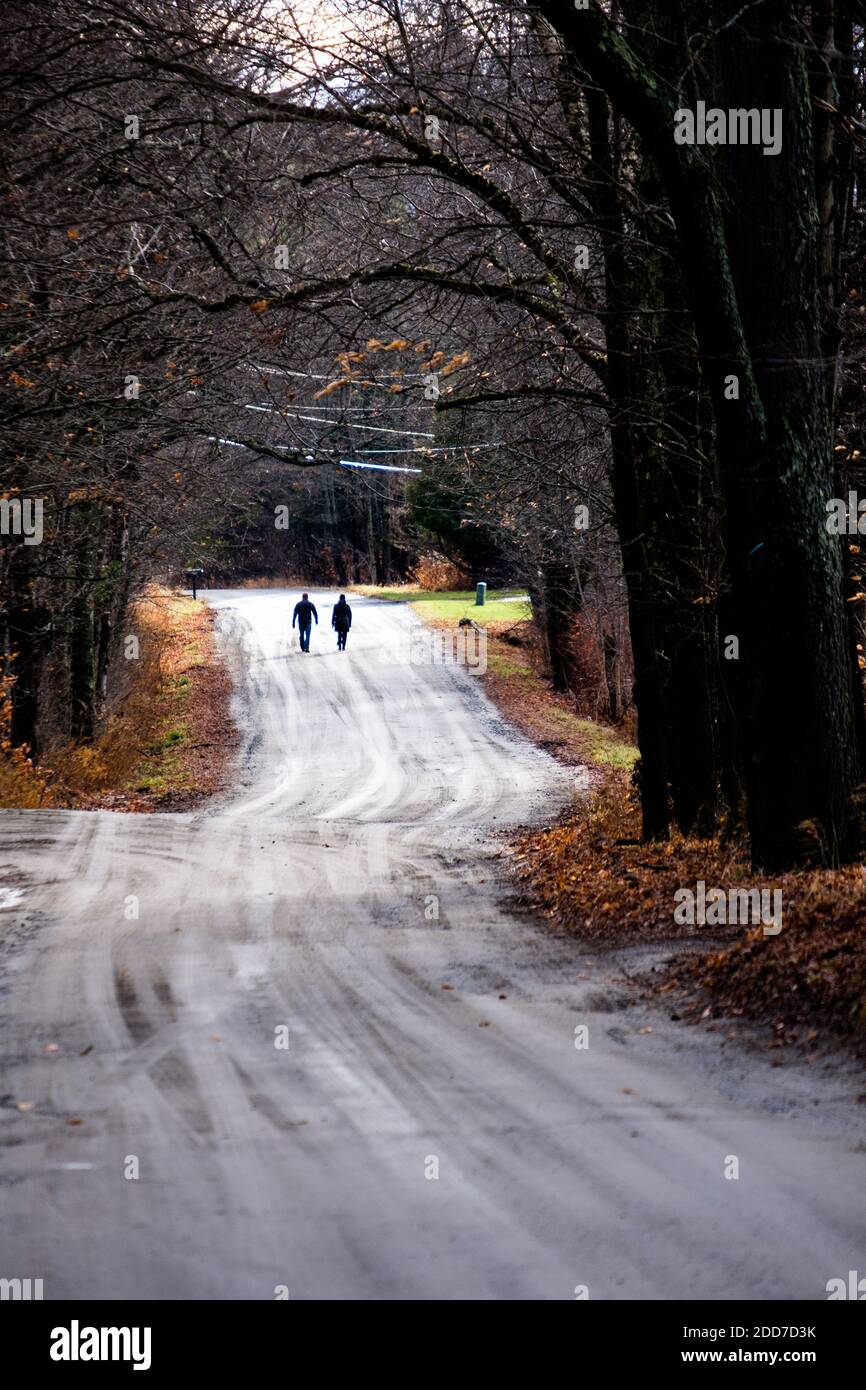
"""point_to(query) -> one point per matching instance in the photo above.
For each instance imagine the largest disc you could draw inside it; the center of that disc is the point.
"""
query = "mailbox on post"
(194, 577)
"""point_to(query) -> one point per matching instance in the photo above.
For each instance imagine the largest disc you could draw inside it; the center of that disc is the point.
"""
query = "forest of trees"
(248, 244)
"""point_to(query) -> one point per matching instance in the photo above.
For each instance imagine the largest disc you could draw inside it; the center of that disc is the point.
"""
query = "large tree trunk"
(626, 479)
(801, 749)
(561, 604)
(679, 511)
(753, 281)
(22, 621)
(629, 468)
(81, 646)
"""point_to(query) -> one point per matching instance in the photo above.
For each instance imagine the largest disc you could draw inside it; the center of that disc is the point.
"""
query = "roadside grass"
(450, 605)
(162, 767)
(137, 759)
(185, 741)
(165, 736)
(22, 784)
(516, 684)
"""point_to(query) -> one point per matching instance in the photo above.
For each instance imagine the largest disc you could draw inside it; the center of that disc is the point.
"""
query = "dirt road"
(300, 1041)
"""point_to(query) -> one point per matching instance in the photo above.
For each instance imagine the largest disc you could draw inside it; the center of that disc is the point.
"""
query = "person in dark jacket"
(303, 615)
(341, 621)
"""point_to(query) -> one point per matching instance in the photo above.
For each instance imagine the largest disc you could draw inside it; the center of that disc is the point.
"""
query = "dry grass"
(21, 784)
(274, 581)
(514, 682)
(109, 764)
(166, 737)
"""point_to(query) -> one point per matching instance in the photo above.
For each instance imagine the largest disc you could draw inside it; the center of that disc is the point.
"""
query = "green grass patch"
(167, 741)
(454, 604)
(605, 748)
(162, 769)
(526, 697)
(502, 666)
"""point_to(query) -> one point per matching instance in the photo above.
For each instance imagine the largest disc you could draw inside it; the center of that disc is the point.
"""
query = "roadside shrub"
(434, 574)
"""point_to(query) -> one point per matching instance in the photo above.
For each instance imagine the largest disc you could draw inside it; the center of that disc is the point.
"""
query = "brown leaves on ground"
(590, 874)
(810, 977)
(166, 740)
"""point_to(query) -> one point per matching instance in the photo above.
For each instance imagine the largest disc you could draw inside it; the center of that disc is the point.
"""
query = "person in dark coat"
(303, 615)
(341, 621)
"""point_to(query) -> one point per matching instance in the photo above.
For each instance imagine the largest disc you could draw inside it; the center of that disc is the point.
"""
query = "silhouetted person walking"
(303, 615)
(341, 621)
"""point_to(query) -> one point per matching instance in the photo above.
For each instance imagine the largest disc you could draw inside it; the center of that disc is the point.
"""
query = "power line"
(314, 376)
(381, 467)
(433, 449)
(311, 458)
(343, 409)
(317, 420)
